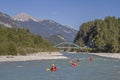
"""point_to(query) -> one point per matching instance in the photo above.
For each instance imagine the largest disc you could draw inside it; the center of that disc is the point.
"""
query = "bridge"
(68, 45)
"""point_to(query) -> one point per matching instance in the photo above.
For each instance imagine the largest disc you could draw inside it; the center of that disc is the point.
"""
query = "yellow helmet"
(52, 64)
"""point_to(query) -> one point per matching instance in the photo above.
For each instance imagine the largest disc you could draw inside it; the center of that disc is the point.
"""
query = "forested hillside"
(100, 35)
(15, 41)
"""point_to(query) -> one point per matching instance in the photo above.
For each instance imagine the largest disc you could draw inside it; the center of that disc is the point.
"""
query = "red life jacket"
(74, 64)
(91, 58)
(53, 68)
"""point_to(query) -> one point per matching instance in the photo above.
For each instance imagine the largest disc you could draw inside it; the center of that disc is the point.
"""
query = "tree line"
(100, 35)
(18, 41)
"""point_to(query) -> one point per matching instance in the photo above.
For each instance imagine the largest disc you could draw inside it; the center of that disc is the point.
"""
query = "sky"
(66, 12)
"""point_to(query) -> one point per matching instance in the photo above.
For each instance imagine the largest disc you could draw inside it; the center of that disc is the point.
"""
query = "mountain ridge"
(8, 21)
(45, 27)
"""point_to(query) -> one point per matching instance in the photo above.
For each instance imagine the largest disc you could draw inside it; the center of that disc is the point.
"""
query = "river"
(99, 69)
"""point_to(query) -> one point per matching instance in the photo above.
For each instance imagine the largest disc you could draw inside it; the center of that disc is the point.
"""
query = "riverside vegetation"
(100, 35)
(14, 41)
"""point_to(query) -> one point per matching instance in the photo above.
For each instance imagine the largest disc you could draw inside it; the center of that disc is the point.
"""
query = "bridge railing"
(67, 45)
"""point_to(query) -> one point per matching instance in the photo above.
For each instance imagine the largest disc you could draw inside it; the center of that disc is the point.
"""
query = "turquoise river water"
(99, 69)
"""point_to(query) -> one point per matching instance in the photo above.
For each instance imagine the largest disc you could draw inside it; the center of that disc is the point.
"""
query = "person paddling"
(53, 68)
(90, 58)
(73, 63)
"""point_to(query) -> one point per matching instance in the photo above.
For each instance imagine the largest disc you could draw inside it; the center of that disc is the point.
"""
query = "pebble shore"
(36, 56)
(110, 55)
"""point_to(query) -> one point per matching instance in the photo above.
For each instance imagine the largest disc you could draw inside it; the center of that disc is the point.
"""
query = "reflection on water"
(98, 69)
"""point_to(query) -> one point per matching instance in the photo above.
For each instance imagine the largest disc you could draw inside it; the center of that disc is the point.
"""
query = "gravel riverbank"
(36, 56)
(110, 55)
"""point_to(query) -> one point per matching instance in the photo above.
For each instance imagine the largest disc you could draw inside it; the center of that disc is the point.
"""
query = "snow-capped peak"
(23, 17)
(4, 15)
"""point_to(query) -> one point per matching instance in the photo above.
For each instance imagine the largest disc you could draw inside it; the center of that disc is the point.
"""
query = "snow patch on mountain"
(24, 17)
(6, 25)
(61, 37)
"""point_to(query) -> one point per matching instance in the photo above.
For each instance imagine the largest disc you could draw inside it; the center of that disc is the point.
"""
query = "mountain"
(24, 17)
(7, 21)
(56, 39)
(45, 27)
